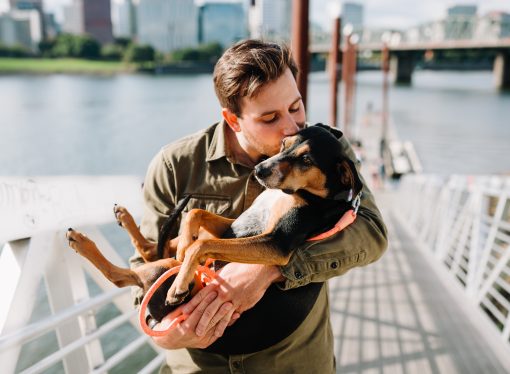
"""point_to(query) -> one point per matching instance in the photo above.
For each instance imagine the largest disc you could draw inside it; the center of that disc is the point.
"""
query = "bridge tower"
(502, 70)
(401, 67)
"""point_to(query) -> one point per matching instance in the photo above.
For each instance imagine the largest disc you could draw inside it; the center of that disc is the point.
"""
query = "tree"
(139, 53)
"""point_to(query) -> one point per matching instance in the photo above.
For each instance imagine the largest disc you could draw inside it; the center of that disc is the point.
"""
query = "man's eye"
(295, 108)
(269, 118)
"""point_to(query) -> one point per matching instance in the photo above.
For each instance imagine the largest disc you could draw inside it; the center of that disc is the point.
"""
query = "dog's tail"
(169, 223)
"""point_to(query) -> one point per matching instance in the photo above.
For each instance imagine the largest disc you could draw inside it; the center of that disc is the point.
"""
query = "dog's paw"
(123, 217)
(175, 297)
(78, 241)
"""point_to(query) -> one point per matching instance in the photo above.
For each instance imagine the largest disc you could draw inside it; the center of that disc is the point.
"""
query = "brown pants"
(307, 350)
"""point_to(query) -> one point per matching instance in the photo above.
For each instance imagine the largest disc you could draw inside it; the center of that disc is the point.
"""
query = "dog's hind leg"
(88, 249)
(146, 248)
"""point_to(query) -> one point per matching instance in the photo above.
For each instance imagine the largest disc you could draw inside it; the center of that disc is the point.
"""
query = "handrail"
(464, 221)
(37, 329)
(29, 206)
(40, 209)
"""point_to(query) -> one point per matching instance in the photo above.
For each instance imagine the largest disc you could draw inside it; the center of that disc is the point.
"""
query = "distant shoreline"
(41, 66)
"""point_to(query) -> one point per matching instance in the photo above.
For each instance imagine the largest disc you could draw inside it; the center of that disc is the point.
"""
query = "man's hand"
(241, 285)
(183, 335)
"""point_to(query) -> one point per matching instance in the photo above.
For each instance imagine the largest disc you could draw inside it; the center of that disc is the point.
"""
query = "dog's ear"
(349, 175)
(337, 133)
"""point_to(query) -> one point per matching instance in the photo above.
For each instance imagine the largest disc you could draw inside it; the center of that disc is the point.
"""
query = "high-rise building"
(124, 19)
(36, 5)
(462, 10)
(221, 22)
(167, 25)
(21, 27)
(91, 17)
(460, 23)
(352, 14)
(270, 19)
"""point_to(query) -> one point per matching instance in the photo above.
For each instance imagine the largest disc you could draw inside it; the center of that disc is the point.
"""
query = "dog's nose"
(262, 172)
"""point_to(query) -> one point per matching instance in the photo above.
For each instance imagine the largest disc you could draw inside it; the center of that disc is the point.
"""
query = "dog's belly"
(255, 219)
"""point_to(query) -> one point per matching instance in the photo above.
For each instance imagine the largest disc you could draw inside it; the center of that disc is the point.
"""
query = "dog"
(310, 184)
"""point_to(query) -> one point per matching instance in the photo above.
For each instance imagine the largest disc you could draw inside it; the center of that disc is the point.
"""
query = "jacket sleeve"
(361, 243)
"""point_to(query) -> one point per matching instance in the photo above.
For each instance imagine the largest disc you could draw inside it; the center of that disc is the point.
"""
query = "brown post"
(334, 58)
(385, 66)
(299, 43)
(349, 58)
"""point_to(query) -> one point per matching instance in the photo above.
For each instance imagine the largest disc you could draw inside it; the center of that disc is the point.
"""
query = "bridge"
(404, 54)
(437, 302)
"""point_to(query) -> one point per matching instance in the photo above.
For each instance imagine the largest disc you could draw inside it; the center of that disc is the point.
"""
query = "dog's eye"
(306, 160)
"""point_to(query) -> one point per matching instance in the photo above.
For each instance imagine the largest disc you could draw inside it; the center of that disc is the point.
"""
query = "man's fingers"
(207, 317)
(197, 313)
(224, 322)
(234, 318)
(190, 306)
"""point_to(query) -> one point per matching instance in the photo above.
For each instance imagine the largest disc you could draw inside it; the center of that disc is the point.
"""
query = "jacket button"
(334, 265)
(298, 275)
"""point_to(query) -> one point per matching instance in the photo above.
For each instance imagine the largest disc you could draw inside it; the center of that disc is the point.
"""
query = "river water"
(59, 124)
(70, 124)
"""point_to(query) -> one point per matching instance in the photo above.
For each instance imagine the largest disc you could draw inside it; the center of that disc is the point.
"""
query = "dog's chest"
(260, 217)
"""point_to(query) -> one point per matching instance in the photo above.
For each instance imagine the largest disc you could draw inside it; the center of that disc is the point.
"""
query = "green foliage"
(82, 46)
(139, 53)
(123, 42)
(112, 52)
(203, 53)
(14, 51)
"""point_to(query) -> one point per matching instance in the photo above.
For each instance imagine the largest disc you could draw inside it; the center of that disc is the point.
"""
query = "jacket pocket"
(217, 204)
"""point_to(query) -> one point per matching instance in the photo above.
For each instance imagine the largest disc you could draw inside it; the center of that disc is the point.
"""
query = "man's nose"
(290, 126)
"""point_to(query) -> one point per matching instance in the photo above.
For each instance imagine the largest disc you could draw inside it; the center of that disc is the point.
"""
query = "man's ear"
(231, 119)
(349, 175)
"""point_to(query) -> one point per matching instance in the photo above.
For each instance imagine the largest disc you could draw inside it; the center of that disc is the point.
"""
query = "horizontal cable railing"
(34, 216)
(465, 222)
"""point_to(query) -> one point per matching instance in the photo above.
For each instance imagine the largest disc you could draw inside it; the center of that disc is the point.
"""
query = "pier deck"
(398, 316)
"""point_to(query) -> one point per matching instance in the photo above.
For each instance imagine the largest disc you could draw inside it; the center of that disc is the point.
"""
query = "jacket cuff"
(296, 272)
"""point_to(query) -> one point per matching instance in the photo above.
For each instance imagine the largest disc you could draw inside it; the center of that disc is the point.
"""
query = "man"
(278, 316)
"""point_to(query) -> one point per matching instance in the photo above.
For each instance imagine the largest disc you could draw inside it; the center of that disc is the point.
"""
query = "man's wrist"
(275, 275)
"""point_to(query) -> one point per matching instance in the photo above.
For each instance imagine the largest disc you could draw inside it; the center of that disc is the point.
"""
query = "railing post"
(333, 66)
(22, 265)
(300, 24)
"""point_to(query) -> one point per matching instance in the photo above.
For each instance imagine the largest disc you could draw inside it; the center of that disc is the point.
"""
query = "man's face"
(276, 112)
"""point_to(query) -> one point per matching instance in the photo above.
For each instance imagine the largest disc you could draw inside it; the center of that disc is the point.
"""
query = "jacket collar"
(218, 147)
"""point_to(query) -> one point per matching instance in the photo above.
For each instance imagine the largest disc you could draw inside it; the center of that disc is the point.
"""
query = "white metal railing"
(34, 215)
(465, 222)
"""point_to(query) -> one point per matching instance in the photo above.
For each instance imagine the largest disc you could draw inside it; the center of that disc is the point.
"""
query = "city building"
(124, 19)
(460, 22)
(352, 14)
(167, 25)
(91, 17)
(270, 19)
(21, 27)
(221, 22)
(493, 25)
(433, 31)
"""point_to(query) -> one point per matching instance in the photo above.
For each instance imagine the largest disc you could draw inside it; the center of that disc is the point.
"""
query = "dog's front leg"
(195, 220)
(258, 249)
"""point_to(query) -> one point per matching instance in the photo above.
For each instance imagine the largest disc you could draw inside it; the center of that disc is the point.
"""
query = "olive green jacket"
(202, 164)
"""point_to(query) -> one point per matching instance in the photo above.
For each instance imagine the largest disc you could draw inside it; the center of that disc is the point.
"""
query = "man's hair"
(246, 67)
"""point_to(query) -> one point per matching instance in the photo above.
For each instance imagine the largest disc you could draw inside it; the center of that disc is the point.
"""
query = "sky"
(378, 13)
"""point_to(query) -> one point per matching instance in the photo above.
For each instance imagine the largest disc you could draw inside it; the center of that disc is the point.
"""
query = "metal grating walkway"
(397, 316)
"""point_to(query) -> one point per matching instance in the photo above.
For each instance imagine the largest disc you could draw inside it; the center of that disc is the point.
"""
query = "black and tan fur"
(307, 187)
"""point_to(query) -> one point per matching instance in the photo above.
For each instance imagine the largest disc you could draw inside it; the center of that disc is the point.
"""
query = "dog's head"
(312, 160)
